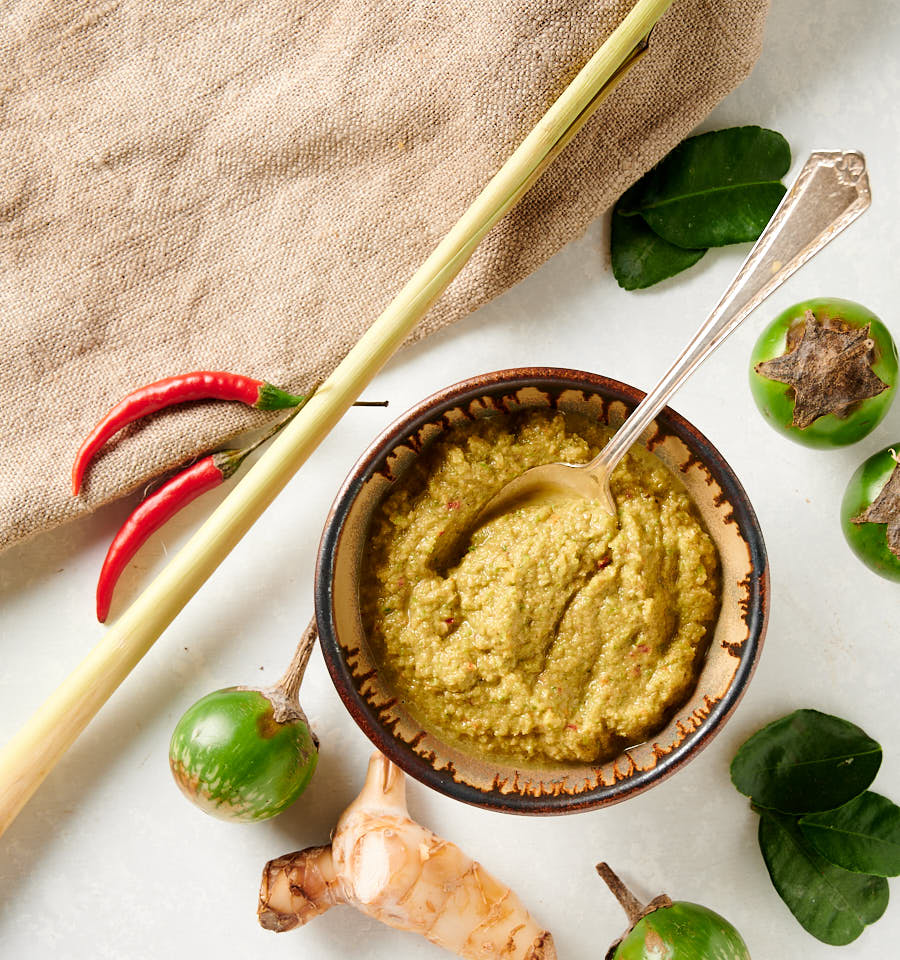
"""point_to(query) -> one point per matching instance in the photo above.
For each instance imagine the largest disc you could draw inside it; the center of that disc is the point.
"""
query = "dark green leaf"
(714, 189)
(862, 835)
(640, 258)
(806, 762)
(731, 215)
(832, 904)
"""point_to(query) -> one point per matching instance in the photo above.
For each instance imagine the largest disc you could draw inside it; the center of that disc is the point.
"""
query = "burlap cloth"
(245, 185)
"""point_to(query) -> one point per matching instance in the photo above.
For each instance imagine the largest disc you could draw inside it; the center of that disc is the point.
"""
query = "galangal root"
(396, 871)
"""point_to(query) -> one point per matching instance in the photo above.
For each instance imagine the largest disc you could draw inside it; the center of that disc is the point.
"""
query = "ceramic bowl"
(544, 789)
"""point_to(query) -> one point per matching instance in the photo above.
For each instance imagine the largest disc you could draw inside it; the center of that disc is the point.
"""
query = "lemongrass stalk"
(31, 754)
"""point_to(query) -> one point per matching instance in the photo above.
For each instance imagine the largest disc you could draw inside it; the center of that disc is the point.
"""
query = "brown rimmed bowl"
(545, 789)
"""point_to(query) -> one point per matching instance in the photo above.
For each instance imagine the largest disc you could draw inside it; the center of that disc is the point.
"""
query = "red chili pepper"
(151, 515)
(200, 385)
(163, 504)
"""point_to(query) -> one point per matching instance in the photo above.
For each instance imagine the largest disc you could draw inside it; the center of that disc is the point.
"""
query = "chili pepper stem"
(304, 400)
(274, 398)
(228, 461)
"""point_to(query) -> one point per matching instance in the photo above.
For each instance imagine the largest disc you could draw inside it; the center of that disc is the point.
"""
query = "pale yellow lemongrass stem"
(27, 759)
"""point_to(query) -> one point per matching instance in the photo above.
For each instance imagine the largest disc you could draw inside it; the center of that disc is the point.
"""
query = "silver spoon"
(831, 191)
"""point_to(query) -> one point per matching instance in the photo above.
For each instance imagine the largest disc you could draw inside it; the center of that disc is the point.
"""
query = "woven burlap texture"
(244, 186)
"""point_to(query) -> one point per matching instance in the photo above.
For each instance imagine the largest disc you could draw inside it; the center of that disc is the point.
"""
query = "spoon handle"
(831, 191)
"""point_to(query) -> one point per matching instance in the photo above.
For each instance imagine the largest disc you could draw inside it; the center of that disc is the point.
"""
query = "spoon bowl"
(546, 483)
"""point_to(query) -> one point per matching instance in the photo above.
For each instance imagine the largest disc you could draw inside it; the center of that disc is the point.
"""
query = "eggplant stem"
(289, 684)
(629, 902)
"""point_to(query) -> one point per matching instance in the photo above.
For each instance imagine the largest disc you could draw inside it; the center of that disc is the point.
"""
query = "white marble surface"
(108, 860)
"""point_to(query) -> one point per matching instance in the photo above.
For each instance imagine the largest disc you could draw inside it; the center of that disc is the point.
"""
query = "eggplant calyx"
(829, 368)
(885, 508)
